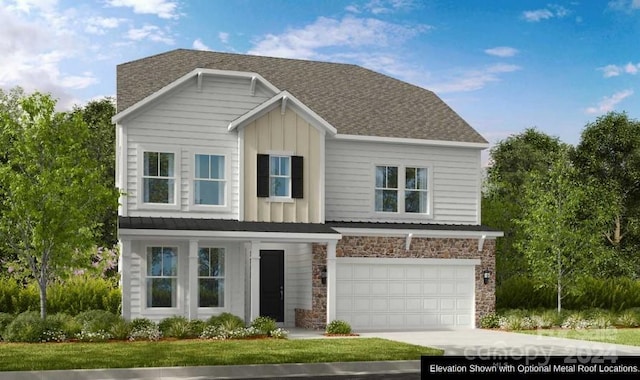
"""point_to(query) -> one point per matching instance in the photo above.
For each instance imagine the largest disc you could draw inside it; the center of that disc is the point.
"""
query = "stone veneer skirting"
(394, 247)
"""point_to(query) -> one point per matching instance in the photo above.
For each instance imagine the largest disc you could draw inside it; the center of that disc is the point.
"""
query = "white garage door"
(396, 294)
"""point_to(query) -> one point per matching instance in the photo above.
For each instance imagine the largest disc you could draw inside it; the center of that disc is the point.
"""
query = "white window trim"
(282, 199)
(227, 180)
(401, 214)
(141, 204)
(160, 310)
(225, 278)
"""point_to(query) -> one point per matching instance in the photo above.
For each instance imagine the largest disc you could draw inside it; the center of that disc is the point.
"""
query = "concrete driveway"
(484, 343)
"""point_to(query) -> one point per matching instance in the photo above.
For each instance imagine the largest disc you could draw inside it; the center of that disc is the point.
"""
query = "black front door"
(272, 284)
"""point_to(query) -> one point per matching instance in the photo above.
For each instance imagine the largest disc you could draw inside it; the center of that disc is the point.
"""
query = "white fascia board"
(291, 101)
(407, 261)
(231, 235)
(418, 233)
(408, 141)
(186, 77)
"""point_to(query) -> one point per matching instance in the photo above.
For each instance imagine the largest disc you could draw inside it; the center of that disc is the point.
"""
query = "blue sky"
(503, 65)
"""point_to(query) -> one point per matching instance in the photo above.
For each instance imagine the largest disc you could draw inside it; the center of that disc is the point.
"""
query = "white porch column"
(124, 267)
(254, 259)
(192, 281)
(331, 281)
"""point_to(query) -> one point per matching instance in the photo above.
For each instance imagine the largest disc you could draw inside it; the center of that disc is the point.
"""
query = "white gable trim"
(284, 99)
(197, 73)
(398, 140)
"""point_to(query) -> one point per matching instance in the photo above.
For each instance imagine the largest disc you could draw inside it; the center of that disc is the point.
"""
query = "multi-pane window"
(280, 176)
(159, 177)
(162, 276)
(415, 193)
(211, 277)
(209, 182)
(386, 189)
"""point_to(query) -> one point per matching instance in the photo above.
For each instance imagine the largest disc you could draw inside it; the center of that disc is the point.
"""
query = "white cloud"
(388, 6)
(615, 70)
(502, 51)
(352, 32)
(100, 25)
(162, 8)
(149, 32)
(224, 37)
(608, 103)
(625, 5)
(473, 80)
(199, 45)
(549, 12)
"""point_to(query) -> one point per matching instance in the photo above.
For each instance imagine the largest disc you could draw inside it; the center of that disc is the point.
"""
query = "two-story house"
(305, 191)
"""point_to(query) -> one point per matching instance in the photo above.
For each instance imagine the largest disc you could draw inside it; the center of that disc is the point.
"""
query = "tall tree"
(557, 242)
(512, 160)
(101, 143)
(51, 188)
(609, 155)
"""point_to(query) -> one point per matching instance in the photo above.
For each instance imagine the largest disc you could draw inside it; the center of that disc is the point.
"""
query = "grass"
(626, 336)
(195, 352)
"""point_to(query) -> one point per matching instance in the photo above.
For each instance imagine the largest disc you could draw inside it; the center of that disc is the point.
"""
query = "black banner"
(530, 367)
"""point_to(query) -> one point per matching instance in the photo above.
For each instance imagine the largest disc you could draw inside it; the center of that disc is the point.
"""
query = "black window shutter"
(263, 175)
(297, 169)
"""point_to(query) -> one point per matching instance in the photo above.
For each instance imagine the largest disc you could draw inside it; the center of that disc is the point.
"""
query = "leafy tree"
(101, 144)
(51, 188)
(512, 161)
(559, 245)
(609, 154)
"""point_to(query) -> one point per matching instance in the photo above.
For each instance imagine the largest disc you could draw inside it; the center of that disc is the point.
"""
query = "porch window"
(159, 177)
(211, 277)
(162, 276)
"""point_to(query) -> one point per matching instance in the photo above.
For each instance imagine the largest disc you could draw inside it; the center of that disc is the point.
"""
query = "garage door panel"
(405, 296)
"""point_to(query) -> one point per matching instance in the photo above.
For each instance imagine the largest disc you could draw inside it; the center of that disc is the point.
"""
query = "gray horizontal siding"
(189, 119)
(349, 180)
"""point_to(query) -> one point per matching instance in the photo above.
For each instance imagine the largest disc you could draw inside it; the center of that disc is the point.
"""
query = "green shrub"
(227, 319)
(144, 329)
(83, 293)
(26, 327)
(66, 323)
(175, 327)
(338, 327)
(5, 319)
(490, 321)
(196, 326)
(265, 325)
(96, 320)
(120, 329)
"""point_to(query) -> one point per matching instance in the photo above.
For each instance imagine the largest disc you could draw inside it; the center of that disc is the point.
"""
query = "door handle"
(282, 293)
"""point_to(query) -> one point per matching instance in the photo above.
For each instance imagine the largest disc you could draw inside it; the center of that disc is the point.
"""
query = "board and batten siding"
(190, 120)
(287, 134)
(454, 182)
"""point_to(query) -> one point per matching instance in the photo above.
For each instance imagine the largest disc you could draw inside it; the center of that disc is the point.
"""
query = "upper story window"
(162, 276)
(209, 180)
(387, 188)
(415, 193)
(280, 176)
(401, 189)
(159, 177)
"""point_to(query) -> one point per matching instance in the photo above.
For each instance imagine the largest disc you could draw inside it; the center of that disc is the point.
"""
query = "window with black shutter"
(280, 176)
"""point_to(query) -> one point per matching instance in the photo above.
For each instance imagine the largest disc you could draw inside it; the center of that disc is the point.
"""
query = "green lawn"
(50, 356)
(617, 336)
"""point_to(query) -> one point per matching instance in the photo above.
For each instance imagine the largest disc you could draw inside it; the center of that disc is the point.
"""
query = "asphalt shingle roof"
(355, 100)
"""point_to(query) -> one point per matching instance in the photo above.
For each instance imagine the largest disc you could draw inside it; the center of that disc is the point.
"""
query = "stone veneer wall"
(394, 247)
(316, 318)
